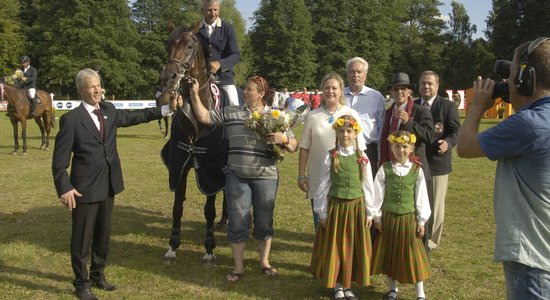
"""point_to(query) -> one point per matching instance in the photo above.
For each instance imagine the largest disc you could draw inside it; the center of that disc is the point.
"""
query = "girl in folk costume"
(342, 247)
(401, 210)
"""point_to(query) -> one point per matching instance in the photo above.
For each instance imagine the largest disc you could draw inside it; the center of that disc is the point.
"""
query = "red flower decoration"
(334, 153)
(415, 160)
(363, 160)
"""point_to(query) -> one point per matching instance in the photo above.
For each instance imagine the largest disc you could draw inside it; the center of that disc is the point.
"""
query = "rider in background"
(28, 81)
(219, 44)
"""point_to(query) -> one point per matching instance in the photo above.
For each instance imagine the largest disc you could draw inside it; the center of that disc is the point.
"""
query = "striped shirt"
(248, 153)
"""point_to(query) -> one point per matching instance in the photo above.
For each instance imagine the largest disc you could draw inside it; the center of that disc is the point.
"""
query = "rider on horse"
(219, 43)
(28, 81)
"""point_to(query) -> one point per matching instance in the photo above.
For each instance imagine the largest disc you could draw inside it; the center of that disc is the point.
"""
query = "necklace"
(331, 118)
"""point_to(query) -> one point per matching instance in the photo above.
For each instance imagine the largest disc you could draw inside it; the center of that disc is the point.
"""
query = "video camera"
(501, 71)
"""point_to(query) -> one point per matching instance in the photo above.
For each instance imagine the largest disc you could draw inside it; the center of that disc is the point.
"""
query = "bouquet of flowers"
(266, 122)
(16, 78)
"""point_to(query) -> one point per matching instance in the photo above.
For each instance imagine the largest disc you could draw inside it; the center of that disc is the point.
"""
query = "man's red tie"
(394, 120)
(97, 112)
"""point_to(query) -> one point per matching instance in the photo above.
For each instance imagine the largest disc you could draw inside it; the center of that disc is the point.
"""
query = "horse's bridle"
(182, 68)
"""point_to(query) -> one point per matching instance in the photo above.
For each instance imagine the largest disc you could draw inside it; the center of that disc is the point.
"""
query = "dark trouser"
(91, 227)
(428, 225)
(372, 154)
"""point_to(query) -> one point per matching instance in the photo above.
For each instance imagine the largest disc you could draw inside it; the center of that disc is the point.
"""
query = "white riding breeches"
(31, 93)
(231, 91)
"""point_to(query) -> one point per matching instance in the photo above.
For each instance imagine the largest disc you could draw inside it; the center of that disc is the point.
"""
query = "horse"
(19, 111)
(192, 144)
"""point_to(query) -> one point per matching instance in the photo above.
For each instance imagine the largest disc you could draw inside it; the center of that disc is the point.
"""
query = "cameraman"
(521, 145)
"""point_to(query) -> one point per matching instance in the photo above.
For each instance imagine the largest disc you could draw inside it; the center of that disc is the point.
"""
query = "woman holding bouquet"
(318, 138)
(252, 178)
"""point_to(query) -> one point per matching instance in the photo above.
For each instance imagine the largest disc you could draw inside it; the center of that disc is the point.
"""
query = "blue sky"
(478, 10)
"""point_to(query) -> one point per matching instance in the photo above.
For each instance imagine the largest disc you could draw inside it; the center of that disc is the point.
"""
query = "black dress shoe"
(85, 294)
(103, 284)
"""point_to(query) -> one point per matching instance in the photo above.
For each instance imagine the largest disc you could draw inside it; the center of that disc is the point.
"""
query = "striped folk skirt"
(342, 250)
(398, 252)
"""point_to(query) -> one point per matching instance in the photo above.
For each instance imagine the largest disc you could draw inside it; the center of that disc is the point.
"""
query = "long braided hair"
(348, 121)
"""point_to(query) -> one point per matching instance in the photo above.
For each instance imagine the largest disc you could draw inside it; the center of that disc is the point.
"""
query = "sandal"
(339, 294)
(269, 272)
(233, 276)
(392, 295)
(350, 295)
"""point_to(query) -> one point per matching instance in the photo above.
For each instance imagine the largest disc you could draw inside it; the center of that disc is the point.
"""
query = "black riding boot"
(33, 105)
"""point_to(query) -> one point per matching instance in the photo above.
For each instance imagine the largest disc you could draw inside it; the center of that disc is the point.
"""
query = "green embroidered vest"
(346, 184)
(400, 191)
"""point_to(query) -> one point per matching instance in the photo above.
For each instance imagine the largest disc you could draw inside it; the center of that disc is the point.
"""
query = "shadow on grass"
(8, 272)
(135, 232)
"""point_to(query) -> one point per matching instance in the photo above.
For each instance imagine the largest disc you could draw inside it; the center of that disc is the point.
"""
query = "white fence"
(120, 104)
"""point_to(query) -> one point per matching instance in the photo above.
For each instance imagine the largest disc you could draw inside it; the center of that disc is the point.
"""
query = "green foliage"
(420, 45)
(281, 44)
(518, 21)
(76, 34)
(458, 61)
(12, 42)
(293, 43)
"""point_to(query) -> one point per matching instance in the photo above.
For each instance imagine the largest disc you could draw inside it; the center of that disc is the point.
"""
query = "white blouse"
(320, 198)
(422, 201)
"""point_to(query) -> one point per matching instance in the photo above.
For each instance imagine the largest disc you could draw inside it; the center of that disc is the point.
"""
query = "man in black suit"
(446, 125)
(410, 117)
(88, 134)
(28, 81)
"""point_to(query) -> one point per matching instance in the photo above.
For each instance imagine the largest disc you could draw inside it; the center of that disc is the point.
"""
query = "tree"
(333, 25)
(518, 21)
(459, 70)
(281, 44)
(75, 34)
(12, 43)
(483, 59)
(420, 44)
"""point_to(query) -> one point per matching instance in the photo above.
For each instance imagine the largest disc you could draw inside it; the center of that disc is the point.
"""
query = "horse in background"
(192, 144)
(19, 112)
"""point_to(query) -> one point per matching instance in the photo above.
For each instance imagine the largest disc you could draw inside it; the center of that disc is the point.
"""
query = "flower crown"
(343, 122)
(411, 139)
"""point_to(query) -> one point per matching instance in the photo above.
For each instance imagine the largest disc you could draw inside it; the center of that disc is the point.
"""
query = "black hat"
(401, 79)
(23, 59)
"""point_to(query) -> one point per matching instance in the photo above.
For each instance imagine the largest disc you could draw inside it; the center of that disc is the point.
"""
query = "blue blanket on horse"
(208, 156)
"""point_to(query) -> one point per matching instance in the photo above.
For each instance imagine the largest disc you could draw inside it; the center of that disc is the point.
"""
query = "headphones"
(525, 78)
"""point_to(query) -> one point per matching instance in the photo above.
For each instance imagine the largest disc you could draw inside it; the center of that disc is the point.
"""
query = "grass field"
(35, 231)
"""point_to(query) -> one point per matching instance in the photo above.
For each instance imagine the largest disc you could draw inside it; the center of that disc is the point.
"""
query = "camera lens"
(501, 91)
(502, 68)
